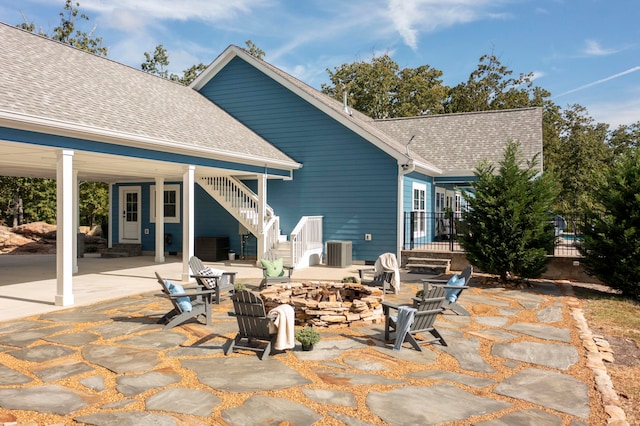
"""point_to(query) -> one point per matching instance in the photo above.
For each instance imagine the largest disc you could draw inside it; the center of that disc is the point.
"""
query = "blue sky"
(584, 52)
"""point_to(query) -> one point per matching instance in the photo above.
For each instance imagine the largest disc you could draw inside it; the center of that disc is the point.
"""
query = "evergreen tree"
(507, 230)
(611, 246)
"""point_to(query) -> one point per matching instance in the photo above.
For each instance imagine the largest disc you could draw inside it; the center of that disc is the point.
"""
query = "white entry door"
(130, 206)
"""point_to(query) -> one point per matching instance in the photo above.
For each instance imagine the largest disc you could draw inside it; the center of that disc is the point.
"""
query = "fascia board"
(62, 128)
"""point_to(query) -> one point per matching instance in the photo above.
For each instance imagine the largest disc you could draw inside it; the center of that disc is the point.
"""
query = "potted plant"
(308, 337)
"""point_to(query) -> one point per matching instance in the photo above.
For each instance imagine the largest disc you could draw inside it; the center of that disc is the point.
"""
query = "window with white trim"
(171, 204)
(419, 208)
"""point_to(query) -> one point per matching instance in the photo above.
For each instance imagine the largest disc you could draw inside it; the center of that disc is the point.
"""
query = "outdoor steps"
(123, 250)
(425, 265)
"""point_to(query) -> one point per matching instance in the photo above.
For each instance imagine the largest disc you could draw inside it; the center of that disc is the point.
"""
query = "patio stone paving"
(111, 363)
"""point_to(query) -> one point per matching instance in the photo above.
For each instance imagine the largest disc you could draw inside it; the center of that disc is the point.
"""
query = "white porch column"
(159, 220)
(65, 232)
(188, 233)
(110, 217)
(76, 219)
(262, 208)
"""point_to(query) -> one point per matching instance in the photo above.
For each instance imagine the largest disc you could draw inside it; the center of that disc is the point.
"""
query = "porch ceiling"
(24, 160)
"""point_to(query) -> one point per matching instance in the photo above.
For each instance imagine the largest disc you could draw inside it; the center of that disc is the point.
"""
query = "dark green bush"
(611, 246)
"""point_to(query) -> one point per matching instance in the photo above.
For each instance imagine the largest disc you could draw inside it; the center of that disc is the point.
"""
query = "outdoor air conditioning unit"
(339, 253)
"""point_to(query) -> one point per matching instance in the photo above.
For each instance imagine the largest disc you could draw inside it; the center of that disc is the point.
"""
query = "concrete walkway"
(517, 360)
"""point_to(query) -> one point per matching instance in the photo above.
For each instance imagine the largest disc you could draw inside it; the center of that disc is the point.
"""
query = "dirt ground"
(625, 368)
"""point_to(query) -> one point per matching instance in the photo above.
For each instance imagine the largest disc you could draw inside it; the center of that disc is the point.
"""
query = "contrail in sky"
(594, 83)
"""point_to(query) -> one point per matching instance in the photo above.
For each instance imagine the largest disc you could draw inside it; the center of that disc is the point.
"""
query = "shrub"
(507, 230)
(611, 245)
(307, 336)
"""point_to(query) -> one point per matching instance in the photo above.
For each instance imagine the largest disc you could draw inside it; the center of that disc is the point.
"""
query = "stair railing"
(306, 236)
(239, 199)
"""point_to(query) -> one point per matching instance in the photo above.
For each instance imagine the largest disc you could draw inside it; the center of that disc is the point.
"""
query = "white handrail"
(306, 236)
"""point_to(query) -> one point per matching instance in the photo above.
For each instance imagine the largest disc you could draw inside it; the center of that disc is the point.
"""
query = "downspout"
(403, 169)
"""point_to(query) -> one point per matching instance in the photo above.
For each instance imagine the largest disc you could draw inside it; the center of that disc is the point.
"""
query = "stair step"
(437, 261)
(426, 268)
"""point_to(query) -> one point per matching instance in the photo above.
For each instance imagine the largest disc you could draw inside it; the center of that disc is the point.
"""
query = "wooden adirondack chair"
(253, 324)
(383, 274)
(209, 281)
(452, 291)
(273, 271)
(370, 278)
(428, 309)
(200, 301)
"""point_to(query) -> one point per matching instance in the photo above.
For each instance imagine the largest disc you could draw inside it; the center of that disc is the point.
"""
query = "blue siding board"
(344, 178)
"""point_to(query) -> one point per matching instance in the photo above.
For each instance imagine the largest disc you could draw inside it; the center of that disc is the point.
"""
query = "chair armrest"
(434, 281)
(231, 275)
(362, 270)
(461, 287)
(386, 306)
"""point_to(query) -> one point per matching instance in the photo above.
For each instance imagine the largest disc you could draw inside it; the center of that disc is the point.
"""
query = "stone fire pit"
(327, 304)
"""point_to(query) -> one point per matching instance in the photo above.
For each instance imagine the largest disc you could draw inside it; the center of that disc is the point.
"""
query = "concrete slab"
(135, 384)
(129, 418)
(429, 405)
(548, 389)
(542, 331)
(45, 399)
(465, 351)
(120, 360)
(450, 376)
(525, 418)
(549, 355)
(195, 402)
(265, 410)
(244, 373)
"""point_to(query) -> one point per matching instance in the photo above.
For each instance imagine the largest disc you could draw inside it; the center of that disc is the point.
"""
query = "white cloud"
(203, 10)
(410, 17)
(593, 48)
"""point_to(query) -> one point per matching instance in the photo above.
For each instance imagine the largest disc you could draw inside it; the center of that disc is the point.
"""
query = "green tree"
(625, 140)
(380, 89)
(158, 62)
(491, 87)
(579, 160)
(93, 205)
(64, 32)
(611, 245)
(507, 230)
(24, 200)
(253, 50)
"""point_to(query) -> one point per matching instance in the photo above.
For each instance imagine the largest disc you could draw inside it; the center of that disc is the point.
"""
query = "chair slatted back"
(196, 265)
(166, 291)
(429, 308)
(251, 315)
(466, 274)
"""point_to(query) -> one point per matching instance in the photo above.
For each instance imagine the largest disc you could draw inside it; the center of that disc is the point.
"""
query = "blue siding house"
(247, 158)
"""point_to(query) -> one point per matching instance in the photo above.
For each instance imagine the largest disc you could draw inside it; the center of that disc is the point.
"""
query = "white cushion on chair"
(212, 282)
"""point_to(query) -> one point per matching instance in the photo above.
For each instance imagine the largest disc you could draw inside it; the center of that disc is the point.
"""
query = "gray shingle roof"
(45, 80)
(457, 142)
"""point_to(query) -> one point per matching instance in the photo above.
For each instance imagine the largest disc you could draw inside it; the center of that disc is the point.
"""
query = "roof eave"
(62, 128)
